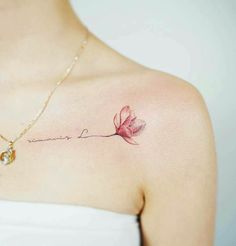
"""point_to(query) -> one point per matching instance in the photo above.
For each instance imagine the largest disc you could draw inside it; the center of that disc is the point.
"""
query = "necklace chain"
(59, 82)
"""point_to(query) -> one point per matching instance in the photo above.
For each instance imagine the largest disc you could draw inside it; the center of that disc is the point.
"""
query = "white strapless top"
(52, 224)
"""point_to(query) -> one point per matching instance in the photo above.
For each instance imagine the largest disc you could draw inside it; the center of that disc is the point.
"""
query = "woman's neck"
(34, 34)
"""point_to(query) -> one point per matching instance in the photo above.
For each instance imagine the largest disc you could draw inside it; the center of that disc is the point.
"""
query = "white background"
(194, 40)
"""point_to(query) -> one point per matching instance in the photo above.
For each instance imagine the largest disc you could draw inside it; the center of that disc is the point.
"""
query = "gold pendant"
(8, 156)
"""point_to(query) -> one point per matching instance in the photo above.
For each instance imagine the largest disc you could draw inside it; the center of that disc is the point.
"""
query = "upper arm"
(179, 170)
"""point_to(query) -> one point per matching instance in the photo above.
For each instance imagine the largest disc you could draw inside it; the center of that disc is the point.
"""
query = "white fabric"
(49, 224)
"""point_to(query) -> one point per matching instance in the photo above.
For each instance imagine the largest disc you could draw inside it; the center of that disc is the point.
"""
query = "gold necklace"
(9, 155)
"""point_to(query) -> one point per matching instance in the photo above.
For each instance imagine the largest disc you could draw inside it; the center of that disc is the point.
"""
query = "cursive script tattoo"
(126, 125)
(68, 137)
(49, 139)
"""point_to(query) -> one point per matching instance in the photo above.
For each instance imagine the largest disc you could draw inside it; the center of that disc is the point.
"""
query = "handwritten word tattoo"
(127, 126)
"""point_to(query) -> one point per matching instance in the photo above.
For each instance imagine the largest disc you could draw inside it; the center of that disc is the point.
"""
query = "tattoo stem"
(98, 135)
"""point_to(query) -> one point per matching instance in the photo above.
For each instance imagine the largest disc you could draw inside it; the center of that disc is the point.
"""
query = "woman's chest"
(72, 156)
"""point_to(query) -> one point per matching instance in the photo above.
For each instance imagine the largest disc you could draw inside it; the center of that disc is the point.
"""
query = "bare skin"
(169, 179)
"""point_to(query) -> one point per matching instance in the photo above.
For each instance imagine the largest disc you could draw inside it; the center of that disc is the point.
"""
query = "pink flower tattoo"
(126, 125)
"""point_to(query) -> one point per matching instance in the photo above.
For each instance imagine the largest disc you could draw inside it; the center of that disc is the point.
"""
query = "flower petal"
(132, 122)
(125, 131)
(116, 121)
(138, 126)
(124, 113)
(129, 119)
(130, 140)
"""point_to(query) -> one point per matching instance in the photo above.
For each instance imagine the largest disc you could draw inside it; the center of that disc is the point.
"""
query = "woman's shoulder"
(172, 106)
(161, 95)
(161, 85)
(165, 101)
(177, 159)
(175, 111)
